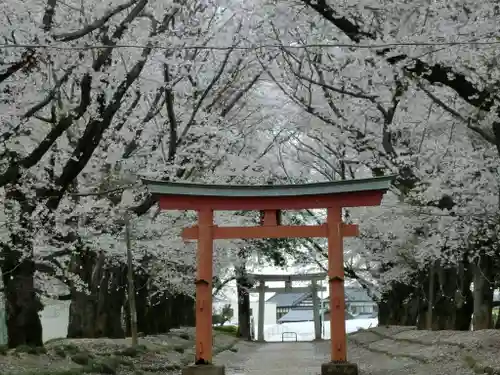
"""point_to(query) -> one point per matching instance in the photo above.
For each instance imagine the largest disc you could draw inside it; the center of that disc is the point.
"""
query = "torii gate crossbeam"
(269, 200)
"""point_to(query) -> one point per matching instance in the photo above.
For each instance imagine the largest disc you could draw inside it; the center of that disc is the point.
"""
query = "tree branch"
(98, 23)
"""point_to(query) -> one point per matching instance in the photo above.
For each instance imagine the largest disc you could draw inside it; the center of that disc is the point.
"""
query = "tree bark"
(464, 300)
(243, 284)
(445, 305)
(141, 298)
(399, 306)
(22, 303)
(483, 293)
(97, 311)
(430, 295)
(243, 310)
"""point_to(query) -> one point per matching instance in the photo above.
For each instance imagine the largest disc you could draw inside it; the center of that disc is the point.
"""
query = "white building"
(269, 314)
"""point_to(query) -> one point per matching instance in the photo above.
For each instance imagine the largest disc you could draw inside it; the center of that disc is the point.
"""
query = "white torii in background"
(288, 279)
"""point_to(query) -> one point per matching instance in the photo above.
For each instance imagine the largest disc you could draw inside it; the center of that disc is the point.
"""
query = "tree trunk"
(187, 311)
(97, 311)
(81, 316)
(111, 301)
(483, 293)
(463, 297)
(431, 295)
(142, 301)
(159, 314)
(399, 306)
(22, 303)
(243, 310)
(445, 305)
(243, 284)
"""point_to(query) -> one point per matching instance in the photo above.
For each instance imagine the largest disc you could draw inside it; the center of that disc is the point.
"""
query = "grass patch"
(179, 349)
(55, 339)
(76, 371)
(132, 351)
(475, 366)
(81, 359)
(103, 366)
(164, 367)
(34, 350)
(229, 330)
(66, 349)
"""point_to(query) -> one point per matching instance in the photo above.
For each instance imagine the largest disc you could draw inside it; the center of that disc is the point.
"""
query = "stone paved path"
(302, 358)
(379, 351)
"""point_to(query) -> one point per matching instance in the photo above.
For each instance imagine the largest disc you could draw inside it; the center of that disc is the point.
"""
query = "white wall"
(55, 319)
(269, 315)
(356, 308)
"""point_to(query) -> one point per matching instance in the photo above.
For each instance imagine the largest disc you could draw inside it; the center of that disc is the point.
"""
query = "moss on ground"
(133, 360)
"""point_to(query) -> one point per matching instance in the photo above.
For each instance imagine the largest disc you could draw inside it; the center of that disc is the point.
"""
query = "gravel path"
(378, 351)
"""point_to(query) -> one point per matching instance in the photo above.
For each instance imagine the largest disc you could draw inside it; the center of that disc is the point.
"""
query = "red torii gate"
(270, 200)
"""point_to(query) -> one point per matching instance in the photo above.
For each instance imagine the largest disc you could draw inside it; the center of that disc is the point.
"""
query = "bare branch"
(197, 107)
(483, 133)
(67, 37)
(172, 120)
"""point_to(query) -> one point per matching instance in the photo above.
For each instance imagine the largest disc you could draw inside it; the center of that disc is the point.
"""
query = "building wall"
(55, 319)
(356, 308)
(281, 311)
(269, 314)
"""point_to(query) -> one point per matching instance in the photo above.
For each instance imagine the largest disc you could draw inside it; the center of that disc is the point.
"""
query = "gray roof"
(212, 190)
(357, 295)
(287, 299)
(354, 294)
(297, 316)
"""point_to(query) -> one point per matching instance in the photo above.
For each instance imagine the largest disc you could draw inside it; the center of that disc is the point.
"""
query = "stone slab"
(339, 368)
(204, 370)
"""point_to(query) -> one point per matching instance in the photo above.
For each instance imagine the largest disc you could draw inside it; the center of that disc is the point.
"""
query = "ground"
(377, 351)
(160, 354)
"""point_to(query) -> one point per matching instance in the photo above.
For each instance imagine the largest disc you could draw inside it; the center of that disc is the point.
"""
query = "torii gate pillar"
(270, 200)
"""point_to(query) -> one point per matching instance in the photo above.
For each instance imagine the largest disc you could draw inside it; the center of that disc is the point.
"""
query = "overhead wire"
(254, 47)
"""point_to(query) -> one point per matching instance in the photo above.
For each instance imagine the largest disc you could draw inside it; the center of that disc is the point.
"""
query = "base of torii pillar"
(339, 368)
(204, 370)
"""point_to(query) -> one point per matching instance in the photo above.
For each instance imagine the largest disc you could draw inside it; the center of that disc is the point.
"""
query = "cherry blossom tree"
(382, 100)
(81, 122)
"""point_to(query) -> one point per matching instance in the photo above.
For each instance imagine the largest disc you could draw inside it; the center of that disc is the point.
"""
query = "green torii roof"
(320, 188)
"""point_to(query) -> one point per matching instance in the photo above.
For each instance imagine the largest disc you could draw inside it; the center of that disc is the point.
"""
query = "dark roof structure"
(354, 294)
(297, 315)
(288, 299)
(213, 190)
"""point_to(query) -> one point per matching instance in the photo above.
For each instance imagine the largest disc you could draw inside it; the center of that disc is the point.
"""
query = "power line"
(253, 47)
